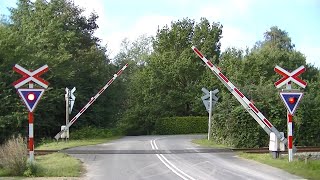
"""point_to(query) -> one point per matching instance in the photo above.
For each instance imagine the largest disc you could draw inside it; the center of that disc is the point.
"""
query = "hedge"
(181, 125)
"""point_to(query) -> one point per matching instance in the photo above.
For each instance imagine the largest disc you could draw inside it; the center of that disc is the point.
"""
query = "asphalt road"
(168, 157)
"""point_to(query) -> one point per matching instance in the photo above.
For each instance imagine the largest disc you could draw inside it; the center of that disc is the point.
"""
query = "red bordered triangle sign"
(30, 97)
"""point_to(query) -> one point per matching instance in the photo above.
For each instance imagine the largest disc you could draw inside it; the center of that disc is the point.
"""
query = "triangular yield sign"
(291, 100)
(30, 97)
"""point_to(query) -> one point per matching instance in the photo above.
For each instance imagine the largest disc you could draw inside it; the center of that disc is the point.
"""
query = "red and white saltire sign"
(28, 76)
(290, 76)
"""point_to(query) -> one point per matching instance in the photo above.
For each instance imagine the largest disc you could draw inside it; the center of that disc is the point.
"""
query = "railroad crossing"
(245, 102)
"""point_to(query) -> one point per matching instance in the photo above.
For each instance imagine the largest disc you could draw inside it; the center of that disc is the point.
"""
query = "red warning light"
(292, 100)
(31, 96)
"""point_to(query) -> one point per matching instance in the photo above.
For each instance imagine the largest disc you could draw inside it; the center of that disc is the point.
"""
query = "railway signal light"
(292, 100)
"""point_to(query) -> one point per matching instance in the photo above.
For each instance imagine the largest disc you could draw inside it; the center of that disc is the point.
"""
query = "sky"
(244, 21)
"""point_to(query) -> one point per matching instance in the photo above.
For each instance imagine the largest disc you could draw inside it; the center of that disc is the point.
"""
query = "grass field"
(309, 170)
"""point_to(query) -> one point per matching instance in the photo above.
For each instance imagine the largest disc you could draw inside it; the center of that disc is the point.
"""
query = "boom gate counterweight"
(73, 120)
(253, 111)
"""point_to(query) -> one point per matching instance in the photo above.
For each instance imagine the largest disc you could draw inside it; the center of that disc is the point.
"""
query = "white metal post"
(67, 111)
(210, 115)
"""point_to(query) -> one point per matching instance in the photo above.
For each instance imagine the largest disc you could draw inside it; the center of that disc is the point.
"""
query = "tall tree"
(168, 85)
(56, 33)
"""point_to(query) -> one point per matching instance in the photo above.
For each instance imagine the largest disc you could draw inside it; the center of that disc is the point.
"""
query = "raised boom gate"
(253, 111)
(73, 120)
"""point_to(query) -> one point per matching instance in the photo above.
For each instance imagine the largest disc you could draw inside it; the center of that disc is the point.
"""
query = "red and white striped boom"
(73, 120)
(253, 111)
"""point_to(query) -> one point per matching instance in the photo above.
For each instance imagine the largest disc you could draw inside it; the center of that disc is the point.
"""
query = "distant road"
(169, 157)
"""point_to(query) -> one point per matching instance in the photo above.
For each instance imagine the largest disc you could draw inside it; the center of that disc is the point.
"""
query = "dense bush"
(181, 125)
(13, 156)
(92, 132)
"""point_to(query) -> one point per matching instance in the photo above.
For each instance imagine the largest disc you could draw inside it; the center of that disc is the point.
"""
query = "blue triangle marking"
(30, 103)
(285, 96)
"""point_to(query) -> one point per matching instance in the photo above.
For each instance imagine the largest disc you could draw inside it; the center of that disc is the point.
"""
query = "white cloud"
(235, 37)
(96, 6)
(312, 54)
(145, 25)
(228, 12)
(225, 10)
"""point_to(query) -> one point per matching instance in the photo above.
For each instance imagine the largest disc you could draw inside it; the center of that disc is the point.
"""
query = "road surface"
(168, 157)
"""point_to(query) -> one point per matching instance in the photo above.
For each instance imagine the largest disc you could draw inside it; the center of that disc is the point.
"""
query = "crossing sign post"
(209, 100)
(30, 96)
(70, 99)
(290, 98)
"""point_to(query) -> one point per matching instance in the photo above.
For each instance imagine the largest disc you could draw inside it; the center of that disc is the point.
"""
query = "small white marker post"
(67, 111)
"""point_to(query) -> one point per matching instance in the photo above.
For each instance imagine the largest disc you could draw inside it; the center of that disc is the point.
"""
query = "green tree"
(168, 84)
(253, 73)
(56, 33)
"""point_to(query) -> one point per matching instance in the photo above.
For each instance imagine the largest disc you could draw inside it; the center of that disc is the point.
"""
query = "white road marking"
(169, 165)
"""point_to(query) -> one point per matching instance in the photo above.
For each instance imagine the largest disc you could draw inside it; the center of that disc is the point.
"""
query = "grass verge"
(208, 143)
(54, 145)
(58, 165)
(53, 165)
(309, 170)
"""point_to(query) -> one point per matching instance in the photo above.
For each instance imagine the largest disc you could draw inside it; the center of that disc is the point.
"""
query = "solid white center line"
(169, 165)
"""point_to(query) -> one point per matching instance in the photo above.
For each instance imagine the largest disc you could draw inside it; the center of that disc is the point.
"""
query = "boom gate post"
(250, 108)
(92, 100)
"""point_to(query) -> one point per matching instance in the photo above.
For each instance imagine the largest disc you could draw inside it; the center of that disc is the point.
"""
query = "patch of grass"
(309, 170)
(4, 172)
(58, 165)
(209, 143)
(54, 145)
(13, 155)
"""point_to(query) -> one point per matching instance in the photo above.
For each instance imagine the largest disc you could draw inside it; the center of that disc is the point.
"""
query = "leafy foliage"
(54, 33)
(168, 84)
(181, 125)
(253, 73)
